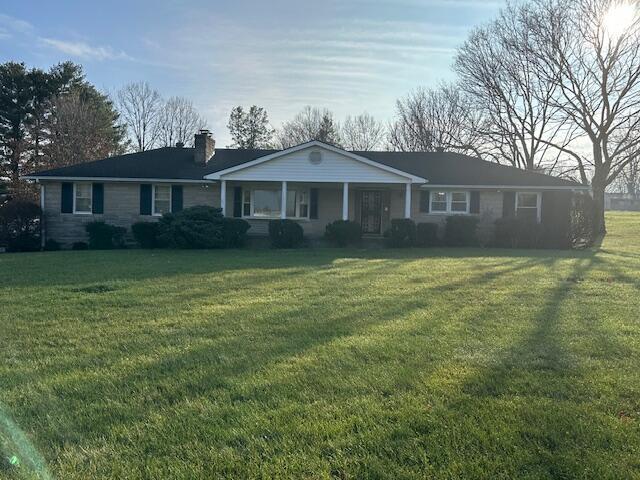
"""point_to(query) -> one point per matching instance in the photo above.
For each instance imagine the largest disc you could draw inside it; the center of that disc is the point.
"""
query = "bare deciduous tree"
(362, 132)
(178, 121)
(496, 71)
(629, 179)
(140, 107)
(310, 124)
(590, 49)
(441, 118)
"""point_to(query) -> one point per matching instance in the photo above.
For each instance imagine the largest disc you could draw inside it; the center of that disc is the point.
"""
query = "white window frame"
(83, 212)
(277, 216)
(449, 197)
(538, 204)
(297, 215)
(252, 209)
(153, 198)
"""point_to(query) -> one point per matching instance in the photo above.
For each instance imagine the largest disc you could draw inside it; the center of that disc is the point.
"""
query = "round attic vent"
(315, 157)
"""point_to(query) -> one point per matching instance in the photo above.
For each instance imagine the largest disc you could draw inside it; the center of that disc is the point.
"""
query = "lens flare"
(619, 18)
(17, 454)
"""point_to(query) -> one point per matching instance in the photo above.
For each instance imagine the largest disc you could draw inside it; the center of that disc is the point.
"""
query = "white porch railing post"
(283, 201)
(223, 197)
(345, 201)
(407, 201)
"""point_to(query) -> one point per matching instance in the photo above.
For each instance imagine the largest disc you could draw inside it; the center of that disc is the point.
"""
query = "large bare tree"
(501, 82)
(437, 119)
(362, 132)
(590, 49)
(140, 108)
(178, 121)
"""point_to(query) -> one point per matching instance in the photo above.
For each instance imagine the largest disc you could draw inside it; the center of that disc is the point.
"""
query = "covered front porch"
(316, 184)
(316, 204)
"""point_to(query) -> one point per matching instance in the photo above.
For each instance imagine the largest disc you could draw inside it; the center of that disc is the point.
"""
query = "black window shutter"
(237, 202)
(475, 202)
(313, 203)
(508, 204)
(176, 198)
(66, 198)
(97, 201)
(425, 197)
(145, 199)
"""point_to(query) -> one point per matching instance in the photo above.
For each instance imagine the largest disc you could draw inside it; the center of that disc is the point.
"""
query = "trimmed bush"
(343, 233)
(518, 233)
(461, 231)
(146, 234)
(427, 235)
(195, 227)
(235, 232)
(402, 233)
(200, 227)
(20, 225)
(52, 246)
(104, 236)
(285, 234)
(80, 246)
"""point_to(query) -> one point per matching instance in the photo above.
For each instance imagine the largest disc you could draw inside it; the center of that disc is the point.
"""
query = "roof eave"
(113, 179)
(511, 187)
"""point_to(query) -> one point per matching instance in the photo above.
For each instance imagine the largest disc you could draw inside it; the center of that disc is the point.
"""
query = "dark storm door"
(371, 212)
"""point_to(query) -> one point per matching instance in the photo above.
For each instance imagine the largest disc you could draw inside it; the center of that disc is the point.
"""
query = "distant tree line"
(250, 129)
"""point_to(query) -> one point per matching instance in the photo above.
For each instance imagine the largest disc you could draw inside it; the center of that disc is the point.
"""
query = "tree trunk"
(599, 226)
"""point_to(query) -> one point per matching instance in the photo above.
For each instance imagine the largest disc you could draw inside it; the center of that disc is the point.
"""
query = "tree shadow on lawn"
(121, 399)
(59, 269)
(117, 397)
(541, 385)
(182, 304)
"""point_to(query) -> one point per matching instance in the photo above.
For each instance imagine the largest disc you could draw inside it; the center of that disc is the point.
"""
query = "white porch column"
(283, 201)
(407, 201)
(345, 201)
(223, 197)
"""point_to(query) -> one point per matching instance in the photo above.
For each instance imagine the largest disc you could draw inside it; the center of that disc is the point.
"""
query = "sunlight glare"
(619, 18)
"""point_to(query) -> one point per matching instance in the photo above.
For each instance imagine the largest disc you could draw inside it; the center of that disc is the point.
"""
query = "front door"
(371, 212)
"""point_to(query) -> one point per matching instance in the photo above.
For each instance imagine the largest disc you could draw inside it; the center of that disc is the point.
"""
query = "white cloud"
(83, 50)
(15, 24)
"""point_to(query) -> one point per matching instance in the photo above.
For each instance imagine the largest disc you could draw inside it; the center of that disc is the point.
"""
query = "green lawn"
(323, 363)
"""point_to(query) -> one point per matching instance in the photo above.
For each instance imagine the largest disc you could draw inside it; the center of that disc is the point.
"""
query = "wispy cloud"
(84, 51)
(12, 24)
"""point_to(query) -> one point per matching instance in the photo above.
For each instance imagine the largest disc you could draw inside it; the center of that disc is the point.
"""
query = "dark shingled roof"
(439, 168)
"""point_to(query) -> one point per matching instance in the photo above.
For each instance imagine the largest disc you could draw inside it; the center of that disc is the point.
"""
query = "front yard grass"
(326, 363)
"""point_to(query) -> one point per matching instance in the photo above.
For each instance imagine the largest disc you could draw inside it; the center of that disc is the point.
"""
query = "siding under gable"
(334, 167)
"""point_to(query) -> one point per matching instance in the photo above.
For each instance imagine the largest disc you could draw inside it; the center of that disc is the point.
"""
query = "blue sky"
(346, 55)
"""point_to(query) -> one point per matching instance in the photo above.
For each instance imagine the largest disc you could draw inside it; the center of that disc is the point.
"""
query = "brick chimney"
(205, 147)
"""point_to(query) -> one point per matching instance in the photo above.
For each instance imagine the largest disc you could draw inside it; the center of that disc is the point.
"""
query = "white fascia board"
(411, 178)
